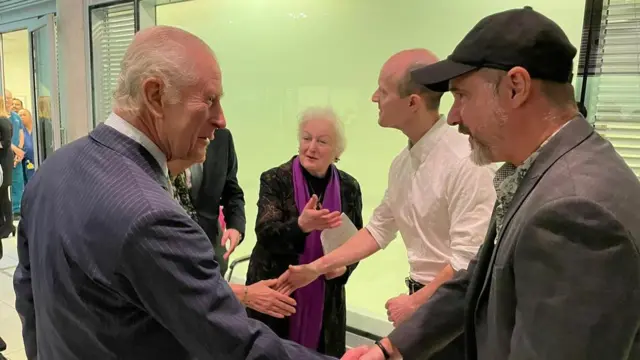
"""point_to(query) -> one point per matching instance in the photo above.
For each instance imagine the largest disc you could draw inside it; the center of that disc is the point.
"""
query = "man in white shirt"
(438, 199)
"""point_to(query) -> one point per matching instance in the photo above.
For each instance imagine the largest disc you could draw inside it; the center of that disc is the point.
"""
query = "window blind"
(617, 80)
(112, 30)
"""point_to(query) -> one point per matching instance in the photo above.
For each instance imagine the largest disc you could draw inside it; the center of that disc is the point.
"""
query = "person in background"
(17, 105)
(6, 166)
(134, 275)
(28, 162)
(298, 200)
(17, 183)
(259, 296)
(45, 127)
(6, 163)
(558, 275)
(209, 185)
(437, 198)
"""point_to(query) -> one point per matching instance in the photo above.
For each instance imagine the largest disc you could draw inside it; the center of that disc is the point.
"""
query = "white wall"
(73, 69)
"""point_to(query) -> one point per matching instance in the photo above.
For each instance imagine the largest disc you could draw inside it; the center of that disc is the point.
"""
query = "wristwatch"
(384, 351)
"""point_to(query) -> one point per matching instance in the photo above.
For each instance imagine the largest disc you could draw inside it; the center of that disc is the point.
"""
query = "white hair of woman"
(329, 115)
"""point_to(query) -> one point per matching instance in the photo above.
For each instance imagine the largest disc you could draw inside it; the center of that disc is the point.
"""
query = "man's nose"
(220, 120)
(454, 116)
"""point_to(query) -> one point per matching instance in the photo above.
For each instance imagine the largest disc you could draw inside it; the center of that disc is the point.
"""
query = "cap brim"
(436, 76)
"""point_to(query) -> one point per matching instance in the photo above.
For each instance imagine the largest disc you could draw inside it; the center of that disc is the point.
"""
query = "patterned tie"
(181, 194)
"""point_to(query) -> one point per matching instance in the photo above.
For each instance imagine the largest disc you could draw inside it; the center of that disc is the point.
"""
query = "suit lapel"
(565, 140)
(485, 257)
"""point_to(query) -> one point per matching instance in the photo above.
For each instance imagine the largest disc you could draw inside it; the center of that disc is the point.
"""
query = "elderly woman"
(298, 200)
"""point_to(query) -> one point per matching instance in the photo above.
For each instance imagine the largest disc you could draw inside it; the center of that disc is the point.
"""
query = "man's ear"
(152, 90)
(415, 101)
(519, 83)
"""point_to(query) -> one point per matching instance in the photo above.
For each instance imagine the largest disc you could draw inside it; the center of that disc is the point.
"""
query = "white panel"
(112, 29)
(617, 115)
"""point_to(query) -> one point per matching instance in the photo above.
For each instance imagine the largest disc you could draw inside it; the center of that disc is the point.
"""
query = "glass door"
(44, 70)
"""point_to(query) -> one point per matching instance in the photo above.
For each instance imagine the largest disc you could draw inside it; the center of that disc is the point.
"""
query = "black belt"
(413, 285)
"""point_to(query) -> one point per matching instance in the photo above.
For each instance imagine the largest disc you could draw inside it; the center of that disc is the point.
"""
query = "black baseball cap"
(518, 37)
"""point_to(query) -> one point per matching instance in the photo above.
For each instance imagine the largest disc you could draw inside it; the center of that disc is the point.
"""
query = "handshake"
(272, 297)
(374, 352)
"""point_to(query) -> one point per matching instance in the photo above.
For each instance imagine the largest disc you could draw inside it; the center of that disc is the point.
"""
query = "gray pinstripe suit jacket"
(563, 280)
(111, 267)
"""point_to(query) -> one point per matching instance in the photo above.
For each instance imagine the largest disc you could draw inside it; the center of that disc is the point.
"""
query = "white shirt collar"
(427, 142)
(125, 128)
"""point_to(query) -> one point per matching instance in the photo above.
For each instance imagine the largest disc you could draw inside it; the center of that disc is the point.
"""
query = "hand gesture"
(231, 236)
(313, 219)
(296, 277)
(261, 297)
(400, 308)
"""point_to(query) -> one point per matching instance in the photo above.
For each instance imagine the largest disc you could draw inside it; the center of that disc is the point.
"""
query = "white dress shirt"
(125, 128)
(439, 200)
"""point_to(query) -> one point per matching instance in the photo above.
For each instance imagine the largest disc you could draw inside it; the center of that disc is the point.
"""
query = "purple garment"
(305, 326)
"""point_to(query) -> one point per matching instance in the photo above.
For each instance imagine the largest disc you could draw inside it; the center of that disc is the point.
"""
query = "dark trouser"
(455, 349)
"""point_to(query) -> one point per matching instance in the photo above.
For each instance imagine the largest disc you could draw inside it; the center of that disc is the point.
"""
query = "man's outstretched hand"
(355, 353)
(296, 277)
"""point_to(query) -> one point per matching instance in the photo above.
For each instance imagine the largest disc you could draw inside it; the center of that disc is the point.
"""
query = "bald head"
(407, 60)
(398, 71)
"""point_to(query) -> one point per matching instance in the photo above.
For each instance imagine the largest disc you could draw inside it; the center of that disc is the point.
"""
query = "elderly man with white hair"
(298, 200)
(111, 267)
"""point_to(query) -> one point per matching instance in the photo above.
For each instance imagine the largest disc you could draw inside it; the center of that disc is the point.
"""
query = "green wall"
(280, 56)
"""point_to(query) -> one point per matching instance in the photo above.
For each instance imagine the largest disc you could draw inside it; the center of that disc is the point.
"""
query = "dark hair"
(406, 87)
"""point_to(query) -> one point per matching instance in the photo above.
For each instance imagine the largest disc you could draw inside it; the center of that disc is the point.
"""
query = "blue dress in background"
(29, 161)
(17, 183)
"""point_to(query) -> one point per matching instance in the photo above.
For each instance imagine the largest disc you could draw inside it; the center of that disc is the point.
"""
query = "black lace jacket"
(280, 241)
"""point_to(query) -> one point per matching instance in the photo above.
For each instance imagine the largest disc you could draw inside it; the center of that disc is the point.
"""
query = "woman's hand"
(261, 297)
(312, 219)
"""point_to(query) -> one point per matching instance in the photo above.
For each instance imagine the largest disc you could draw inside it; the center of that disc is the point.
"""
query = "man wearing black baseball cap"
(558, 276)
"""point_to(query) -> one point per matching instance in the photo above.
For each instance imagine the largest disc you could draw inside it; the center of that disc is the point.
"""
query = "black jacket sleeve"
(276, 231)
(232, 198)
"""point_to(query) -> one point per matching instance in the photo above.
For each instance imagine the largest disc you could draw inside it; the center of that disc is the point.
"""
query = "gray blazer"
(111, 267)
(563, 280)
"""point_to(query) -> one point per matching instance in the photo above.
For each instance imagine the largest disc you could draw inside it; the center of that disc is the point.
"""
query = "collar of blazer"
(574, 133)
(134, 151)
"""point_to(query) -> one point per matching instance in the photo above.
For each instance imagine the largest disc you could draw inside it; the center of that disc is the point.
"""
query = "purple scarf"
(305, 325)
